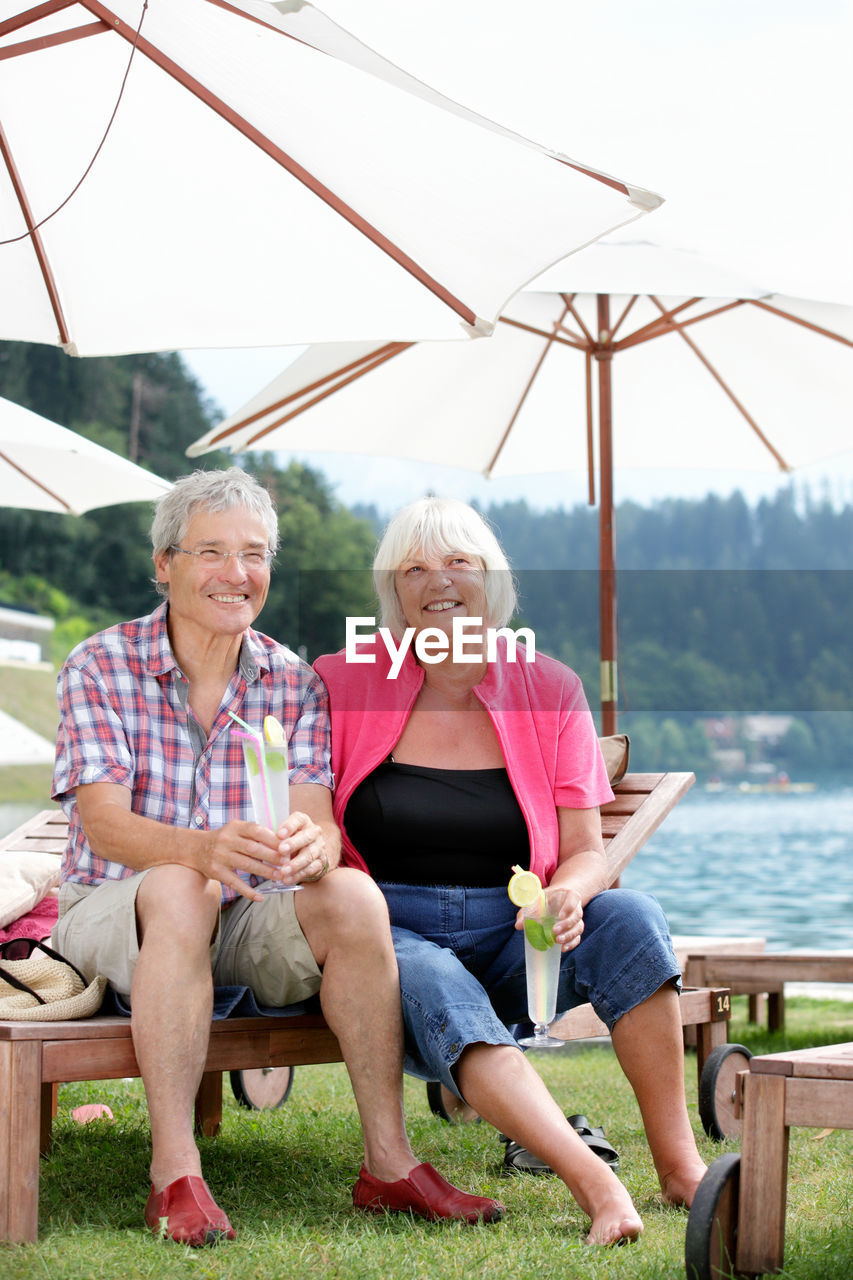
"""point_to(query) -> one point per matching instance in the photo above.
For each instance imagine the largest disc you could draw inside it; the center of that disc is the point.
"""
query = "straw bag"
(37, 984)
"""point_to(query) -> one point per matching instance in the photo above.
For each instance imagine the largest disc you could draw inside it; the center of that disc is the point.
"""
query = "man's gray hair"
(442, 527)
(215, 491)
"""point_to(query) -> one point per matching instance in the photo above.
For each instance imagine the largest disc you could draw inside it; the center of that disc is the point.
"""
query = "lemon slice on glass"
(273, 731)
(524, 888)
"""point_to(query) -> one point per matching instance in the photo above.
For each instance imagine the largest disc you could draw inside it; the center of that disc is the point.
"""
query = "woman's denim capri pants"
(462, 974)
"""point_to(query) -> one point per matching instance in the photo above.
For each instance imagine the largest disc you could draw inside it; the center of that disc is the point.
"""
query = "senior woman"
(448, 773)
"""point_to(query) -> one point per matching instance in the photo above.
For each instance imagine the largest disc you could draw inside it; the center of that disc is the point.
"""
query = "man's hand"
(241, 846)
(303, 849)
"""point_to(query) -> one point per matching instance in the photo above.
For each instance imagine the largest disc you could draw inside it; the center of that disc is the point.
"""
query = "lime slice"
(535, 935)
(273, 731)
(540, 933)
(524, 888)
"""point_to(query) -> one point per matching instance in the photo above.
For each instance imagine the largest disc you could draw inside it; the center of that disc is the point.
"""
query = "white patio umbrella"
(195, 173)
(46, 467)
(711, 370)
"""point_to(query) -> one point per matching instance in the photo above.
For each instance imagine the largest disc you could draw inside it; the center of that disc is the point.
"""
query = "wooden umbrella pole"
(606, 522)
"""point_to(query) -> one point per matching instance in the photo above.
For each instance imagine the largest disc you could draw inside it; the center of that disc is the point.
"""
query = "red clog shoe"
(424, 1193)
(186, 1211)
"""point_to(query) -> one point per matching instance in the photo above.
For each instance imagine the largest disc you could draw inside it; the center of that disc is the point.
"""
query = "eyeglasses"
(216, 559)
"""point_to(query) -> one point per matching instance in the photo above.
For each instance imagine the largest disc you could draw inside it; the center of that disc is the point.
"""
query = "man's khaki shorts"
(257, 944)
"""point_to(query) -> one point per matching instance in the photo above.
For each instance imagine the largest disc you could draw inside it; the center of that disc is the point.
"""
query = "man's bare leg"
(345, 921)
(172, 1002)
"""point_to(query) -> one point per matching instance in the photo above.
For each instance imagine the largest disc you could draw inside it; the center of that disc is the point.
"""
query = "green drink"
(268, 775)
(542, 957)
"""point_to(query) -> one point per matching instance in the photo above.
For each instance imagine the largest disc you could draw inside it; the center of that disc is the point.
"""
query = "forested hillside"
(724, 608)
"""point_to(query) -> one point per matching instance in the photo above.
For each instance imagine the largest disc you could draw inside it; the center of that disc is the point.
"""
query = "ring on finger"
(319, 876)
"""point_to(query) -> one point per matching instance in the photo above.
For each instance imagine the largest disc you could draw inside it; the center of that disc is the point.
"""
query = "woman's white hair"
(441, 527)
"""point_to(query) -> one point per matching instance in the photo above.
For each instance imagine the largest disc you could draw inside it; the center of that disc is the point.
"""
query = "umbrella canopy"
(196, 173)
(706, 369)
(46, 467)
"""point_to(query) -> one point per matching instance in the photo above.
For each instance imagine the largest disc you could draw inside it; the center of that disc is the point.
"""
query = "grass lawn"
(29, 696)
(285, 1179)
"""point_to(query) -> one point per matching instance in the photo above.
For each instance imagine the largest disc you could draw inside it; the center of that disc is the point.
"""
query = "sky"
(737, 111)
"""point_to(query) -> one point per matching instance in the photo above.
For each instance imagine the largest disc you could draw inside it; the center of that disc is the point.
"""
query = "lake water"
(779, 866)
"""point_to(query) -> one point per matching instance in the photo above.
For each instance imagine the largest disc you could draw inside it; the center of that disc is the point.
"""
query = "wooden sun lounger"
(35, 1057)
(758, 972)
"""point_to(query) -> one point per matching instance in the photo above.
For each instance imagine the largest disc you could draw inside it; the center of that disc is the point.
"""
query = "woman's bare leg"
(503, 1087)
(650, 1047)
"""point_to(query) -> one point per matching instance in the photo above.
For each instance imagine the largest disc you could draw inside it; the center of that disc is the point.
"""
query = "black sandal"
(595, 1139)
(436, 1105)
(518, 1159)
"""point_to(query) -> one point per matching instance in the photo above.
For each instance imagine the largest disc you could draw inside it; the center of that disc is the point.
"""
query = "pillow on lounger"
(615, 750)
(25, 878)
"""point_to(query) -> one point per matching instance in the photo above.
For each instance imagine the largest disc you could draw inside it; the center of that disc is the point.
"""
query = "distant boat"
(780, 785)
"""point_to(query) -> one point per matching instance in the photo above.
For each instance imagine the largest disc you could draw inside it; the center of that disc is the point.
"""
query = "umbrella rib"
(661, 324)
(29, 16)
(576, 344)
(806, 324)
(623, 317)
(550, 338)
(783, 465)
(48, 42)
(35, 238)
(293, 167)
(570, 302)
(38, 484)
(590, 441)
(355, 370)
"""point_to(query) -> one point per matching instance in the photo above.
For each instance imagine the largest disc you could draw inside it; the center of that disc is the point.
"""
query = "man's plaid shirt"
(124, 719)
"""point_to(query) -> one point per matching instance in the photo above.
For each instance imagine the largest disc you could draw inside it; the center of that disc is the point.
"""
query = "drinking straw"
(257, 745)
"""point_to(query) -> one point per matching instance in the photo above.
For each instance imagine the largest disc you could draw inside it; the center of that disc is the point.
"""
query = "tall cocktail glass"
(268, 775)
(542, 963)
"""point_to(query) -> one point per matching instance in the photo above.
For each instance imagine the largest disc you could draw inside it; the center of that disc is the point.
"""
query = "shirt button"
(198, 820)
(454, 1048)
(443, 1027)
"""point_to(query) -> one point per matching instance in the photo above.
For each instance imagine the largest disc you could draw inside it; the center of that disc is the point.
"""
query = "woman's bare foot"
(678, 1187)
(605, 1199)
(615, 1220)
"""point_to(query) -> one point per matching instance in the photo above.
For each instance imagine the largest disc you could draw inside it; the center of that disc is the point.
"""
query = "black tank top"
(416, 825)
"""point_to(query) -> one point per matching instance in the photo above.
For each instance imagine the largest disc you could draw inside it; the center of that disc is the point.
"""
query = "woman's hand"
(568, 928)
(302, 845)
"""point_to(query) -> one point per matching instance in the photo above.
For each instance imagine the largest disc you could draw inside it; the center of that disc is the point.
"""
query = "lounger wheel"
(717, 1090)
(711, 1238)
(263, 1088)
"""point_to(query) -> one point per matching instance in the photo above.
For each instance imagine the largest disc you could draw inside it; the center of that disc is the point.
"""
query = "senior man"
(160, 880)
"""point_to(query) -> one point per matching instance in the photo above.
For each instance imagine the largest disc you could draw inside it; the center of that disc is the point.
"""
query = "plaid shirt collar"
(156, 649)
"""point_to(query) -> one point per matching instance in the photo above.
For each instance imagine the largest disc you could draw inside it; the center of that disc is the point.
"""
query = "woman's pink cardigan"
(539, 712)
